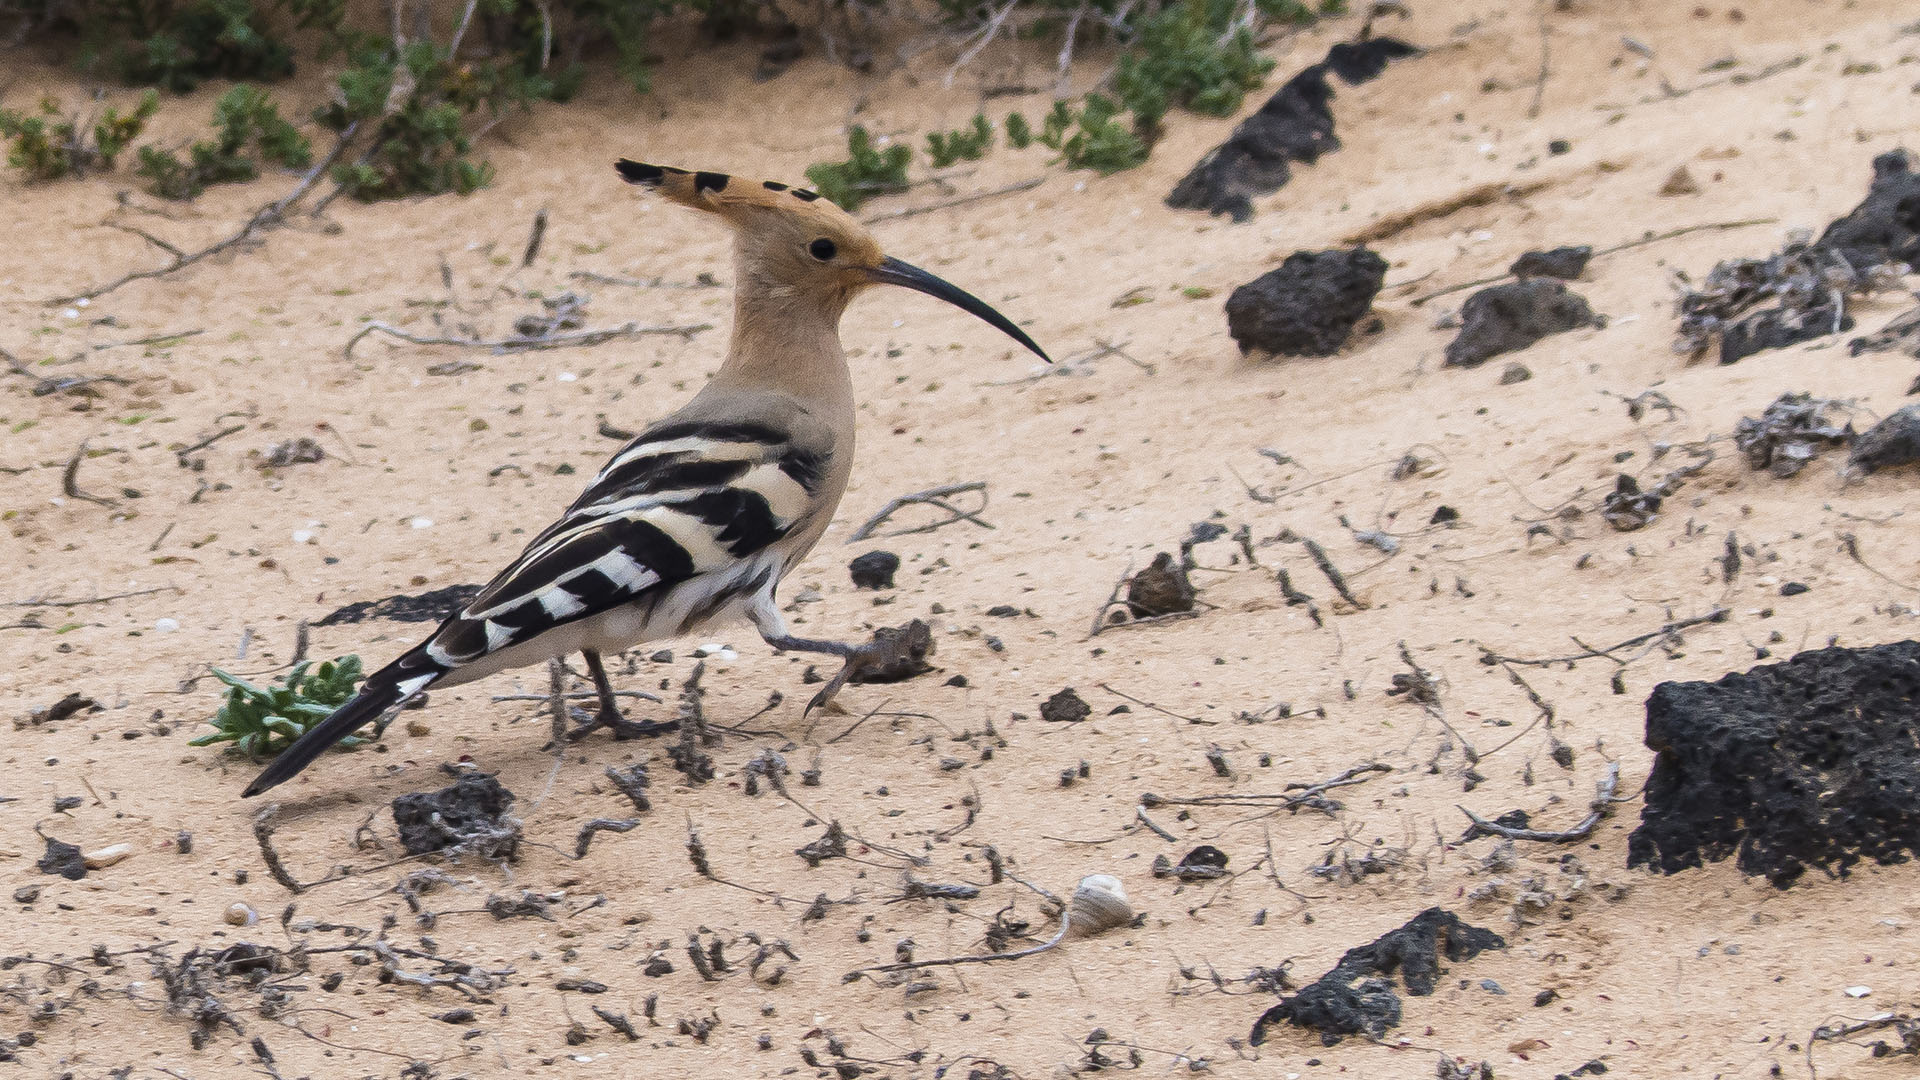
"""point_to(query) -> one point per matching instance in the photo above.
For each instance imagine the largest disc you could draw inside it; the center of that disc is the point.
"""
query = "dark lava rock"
(1811, 762)
(1507, 318)
(1363, 61)
(874, 570)
(470, 814)
(1348, 1000)
(1296, 124)
(62, 858)
(426, 607)
(1795, 588)
(1566, 263)
(1801, 293)
(1515, 373)
(1886, 226)
(1065, 707)
(1901, 332)
(1161, 589)
(1777, 329)
(1627, 507)
(904, 654)
(1791, 433)
(1308, 305)
(1203, 863)
(1893, 441)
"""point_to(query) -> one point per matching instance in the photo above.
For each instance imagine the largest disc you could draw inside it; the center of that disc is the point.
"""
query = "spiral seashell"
(1099, 904)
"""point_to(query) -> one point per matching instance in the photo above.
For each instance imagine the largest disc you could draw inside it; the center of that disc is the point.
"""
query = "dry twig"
(935, 497)
(1602, 807)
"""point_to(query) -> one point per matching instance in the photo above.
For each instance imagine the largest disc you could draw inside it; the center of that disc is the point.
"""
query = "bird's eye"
(822, 249)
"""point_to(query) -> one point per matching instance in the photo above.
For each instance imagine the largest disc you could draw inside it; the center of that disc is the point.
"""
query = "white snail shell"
(1099, 904)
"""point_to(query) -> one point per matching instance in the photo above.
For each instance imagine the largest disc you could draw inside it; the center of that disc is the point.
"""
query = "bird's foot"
(858, 659)
(623, 729)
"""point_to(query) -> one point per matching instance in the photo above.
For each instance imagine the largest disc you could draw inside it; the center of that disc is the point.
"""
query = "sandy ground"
(1091, 470)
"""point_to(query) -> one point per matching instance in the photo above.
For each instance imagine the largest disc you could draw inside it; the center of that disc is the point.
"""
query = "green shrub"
(177, 46)
(1186, 56)
(1103, 143)
(243, 114)
(261, 721)
(420, 146)
(1019, 133)
(867, 172)
(49, 146)
(967, 144)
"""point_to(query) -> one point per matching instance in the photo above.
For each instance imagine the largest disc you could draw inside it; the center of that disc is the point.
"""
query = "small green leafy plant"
(261, 721)
(868, 171)
(1019, 132)
(1103, 144)
(968, 144)
(243, 114)
(49, 146)
(1189, 54)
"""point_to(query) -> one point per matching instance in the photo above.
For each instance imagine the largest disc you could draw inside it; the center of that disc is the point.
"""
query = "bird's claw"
(858, 660)
(623, 729)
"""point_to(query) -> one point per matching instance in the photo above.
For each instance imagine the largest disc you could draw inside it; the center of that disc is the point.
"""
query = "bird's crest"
(722, 194)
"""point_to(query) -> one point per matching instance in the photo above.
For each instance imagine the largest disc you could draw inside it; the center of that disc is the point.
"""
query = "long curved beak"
(892, 271)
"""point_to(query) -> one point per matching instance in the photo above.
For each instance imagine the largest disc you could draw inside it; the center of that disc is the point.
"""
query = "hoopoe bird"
(696, 521)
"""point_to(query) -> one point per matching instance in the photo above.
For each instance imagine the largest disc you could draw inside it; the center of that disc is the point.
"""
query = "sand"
(437, 479)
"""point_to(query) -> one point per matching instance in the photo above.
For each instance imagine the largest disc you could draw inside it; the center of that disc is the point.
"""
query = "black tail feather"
(381, 691)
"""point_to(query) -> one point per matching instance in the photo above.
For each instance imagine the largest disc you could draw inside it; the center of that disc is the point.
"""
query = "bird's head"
(792, 241)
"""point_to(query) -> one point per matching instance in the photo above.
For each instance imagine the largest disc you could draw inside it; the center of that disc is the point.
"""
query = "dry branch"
(1602, 807)
(525, 344)
(270, 214)
(935, 497)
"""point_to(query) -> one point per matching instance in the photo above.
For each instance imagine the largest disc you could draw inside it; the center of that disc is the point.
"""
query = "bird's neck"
(787, 342)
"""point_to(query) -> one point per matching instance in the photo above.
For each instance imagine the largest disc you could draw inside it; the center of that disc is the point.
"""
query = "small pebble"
(101, 858)
(421, 523)
(1858, 991)
(165, 625)
(240, 915)
(1492, 987)
(417, 728)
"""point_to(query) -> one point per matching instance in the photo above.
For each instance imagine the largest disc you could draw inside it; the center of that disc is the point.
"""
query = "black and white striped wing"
(680, 507)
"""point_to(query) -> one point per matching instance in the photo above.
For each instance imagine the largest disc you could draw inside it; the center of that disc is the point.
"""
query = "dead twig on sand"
(1291, 796)
(44, 602)
(935, 497)
(1667, 630)
(70, 479)
(1540, 83)
(525, 344)
(271, 214)
(1650, 238)
(1602, 807)
(958, 200)
(1066, 920)
(1904, 1025)
(1390, 225)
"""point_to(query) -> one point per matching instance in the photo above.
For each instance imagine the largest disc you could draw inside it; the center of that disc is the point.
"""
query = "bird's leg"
(609, 715)
(773, 629)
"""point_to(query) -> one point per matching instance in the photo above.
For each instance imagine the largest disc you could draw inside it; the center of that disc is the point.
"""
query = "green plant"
(49, 146)
(1019, 132)
(243, 114)
(1055, 125)
(967, 144)
(419, 143)
(1103, 143)
(868, 171)
(178, 46)
(1189, 54)
(264, 720)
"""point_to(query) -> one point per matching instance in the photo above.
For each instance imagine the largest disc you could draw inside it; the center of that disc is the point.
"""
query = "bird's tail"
(388, 688)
